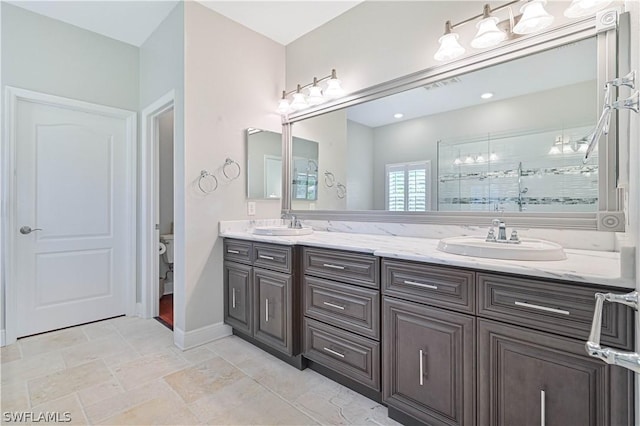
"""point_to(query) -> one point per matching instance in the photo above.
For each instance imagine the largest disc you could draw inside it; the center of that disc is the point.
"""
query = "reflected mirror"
(506, 137)
(264, 166)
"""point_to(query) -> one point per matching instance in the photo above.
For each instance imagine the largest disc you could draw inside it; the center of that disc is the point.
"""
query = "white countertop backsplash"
(598, 265)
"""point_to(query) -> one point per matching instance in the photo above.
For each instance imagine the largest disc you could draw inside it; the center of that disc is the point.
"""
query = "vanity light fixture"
(449, 46)
(493, 157)
(480, 159)
(315, 94)
(580, 8)
(457, 161)
(488, 34)
(533, 18)
(469, 160)
(398, 115)
(487, 95)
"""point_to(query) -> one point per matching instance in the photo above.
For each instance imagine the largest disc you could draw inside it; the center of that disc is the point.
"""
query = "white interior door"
(73, 191)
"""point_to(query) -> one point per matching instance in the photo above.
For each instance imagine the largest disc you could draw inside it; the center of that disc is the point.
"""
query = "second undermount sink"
(528, 249)
(281, 231)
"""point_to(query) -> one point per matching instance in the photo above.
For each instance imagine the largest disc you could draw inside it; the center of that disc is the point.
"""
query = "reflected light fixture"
(315, 94)
(487, 95)
(398, 115)
(580, 8)
(457, 161)
(449, 46)
(493, 157)
(488, 34)
(479, 159)
(534, 18)
(469, 160)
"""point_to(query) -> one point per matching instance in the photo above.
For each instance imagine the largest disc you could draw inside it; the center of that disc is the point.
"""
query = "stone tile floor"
(126, 371)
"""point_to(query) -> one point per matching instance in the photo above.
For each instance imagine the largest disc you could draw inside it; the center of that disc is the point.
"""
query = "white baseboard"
(190, 339)
(3, 338)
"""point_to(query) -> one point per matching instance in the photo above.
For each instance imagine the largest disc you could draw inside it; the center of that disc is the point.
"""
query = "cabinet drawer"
(434, 285)
(354, 268)
(555, 307)
(237, 251)
(277, 258)
(343, 305)
(349, 354)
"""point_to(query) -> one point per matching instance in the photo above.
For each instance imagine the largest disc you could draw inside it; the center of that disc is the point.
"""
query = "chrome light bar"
(629, 360)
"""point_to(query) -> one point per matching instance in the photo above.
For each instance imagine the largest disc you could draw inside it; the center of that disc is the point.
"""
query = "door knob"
(25, 230)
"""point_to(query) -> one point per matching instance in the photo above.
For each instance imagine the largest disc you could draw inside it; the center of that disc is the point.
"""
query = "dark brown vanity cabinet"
(261, 298)
(527, 377)
(342, 316)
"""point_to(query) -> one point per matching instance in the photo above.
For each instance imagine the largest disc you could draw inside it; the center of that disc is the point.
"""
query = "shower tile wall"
(549, 182)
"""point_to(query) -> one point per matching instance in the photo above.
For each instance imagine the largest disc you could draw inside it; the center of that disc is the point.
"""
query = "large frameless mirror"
(509, 136)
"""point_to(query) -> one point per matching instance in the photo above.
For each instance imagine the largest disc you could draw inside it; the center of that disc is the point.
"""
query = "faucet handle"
(495, 222)
(514, 237)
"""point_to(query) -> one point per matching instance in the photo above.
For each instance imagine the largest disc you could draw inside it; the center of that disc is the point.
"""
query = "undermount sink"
(528, 249)
(281, 231)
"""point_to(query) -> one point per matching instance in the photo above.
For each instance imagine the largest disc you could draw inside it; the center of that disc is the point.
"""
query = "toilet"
(167, 258)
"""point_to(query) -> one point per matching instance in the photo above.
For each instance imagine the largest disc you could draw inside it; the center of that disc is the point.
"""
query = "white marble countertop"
(582, 266)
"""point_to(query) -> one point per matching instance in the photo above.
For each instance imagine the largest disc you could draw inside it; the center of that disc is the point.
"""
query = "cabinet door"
(272, 309)
(428, 363)
(237, 296)
(528, 377)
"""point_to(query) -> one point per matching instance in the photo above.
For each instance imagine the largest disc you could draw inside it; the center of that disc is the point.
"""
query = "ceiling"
(562, 66)
(133, 22)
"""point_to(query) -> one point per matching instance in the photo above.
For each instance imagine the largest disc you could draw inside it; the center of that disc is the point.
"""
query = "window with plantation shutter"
(407, 186)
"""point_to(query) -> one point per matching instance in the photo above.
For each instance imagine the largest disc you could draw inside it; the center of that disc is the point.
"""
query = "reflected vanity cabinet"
(261, 299)
(521, 340)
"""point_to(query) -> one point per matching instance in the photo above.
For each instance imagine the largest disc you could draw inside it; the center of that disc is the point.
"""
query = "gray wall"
(360, 166)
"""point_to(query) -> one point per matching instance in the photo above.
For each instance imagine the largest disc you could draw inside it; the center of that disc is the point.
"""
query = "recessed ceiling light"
(487, 95)
(398, 115)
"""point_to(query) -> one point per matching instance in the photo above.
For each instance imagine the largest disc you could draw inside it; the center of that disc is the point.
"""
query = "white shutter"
(408, 186)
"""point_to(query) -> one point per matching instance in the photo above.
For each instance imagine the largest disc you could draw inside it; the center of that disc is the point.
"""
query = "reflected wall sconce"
(533, 18)
(315, 94)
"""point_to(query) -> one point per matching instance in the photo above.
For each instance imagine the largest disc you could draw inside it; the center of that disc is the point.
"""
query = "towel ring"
(341, 190)
(329, 179)
(228, 163)
(208, 176)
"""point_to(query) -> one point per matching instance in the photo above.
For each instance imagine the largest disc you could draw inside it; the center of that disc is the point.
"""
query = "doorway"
(157, 210)
(165, 191)
(70, 185)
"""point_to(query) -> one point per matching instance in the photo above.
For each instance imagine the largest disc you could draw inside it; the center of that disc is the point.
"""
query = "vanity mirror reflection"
(264, 166)
(505, 134)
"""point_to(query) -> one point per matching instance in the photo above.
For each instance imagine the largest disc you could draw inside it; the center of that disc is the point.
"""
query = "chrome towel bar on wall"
(630, 360)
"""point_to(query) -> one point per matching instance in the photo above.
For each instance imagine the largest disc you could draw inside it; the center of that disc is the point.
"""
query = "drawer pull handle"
(266, 310)
(329, 265)
(542, 409)
(542, 308)
(233, 298)
(333, 305)
(233, 251)
(262, 256)
(432, 287)
(421, 368)
(331, 351)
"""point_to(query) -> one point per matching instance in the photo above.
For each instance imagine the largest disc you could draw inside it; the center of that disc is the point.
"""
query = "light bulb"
(493, 157)
(315, 96)
(534, 18)
(457, 161)
(488, 34)
(469, 160)
(334, 88)
(283, 107)
(298, 102)
(580, 8)
(449, 48)
(479, 159)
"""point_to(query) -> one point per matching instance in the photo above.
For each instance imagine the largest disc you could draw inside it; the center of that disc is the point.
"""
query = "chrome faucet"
(294, 222)
(502, 233)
